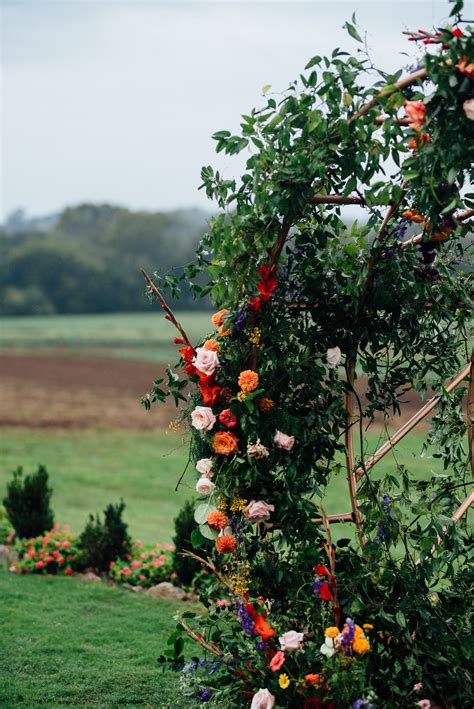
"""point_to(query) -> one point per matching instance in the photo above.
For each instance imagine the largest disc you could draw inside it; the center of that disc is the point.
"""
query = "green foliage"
(6, 528)
(300, 288)
(27, 503)
(184, 526)
(104, 542)
(87, 260)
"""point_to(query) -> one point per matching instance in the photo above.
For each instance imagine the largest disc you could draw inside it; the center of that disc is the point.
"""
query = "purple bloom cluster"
(362, 704)
(401, 228)
(240, 318)
(244, 618)
(348, 633)
(317, 585)
(383, 530)
(204, 695)
(260, 646)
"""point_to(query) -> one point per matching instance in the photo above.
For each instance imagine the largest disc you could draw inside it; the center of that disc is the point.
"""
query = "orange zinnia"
(217, 520)
(226, 544)
(225, 443)
(248, 380)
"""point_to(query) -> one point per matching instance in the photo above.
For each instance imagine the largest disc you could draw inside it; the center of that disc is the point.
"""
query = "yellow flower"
(284, 681)
(238, 504)
(332, 631)
(242, 395)
(361, 645)
(368, 626)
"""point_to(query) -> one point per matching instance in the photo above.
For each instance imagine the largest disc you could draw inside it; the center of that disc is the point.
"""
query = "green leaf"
(207, 532)
(353, 32)
(202, 511)
(197, 539)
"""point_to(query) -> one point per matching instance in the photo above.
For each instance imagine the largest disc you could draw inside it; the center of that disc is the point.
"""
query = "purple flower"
(244, 618)
(362, 704)
(204, 695)
(260, 646)
(240, 318)
(348, 633)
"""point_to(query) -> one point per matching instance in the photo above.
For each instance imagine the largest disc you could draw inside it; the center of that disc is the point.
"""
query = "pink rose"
(136, 564)
(281, 440)
(258, 511)
(204, 486)
(206, 361)
(291, 641)
(416, 113)
(468, 108)
(257, 450)
(204, 466)
(424, 704)
(333, 356)
(277, 660)
(202, 418)
(418, 687)
(263, 700)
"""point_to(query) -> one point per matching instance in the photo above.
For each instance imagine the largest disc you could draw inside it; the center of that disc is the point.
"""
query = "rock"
(168, 591)
(90, 576)
(129, 587)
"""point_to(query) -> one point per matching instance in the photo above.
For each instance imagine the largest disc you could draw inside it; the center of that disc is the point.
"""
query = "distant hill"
(86, 259)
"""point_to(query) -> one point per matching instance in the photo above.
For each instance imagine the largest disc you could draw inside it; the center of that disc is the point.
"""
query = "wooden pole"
(349, 451)
(470, 414)
(410, 424)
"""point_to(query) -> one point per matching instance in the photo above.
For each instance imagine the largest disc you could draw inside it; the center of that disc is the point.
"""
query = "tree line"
(87, 259)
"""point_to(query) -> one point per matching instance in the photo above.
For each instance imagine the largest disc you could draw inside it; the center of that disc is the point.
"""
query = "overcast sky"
(116, 101)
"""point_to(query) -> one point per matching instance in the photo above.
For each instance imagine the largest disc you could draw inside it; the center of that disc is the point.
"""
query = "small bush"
(51, 553)
(103, 542)
(6, 528)
(27, 503)
(145, 568)
(184, 524)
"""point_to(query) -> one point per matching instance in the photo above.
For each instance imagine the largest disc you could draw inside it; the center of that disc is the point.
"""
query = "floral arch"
(308, 307)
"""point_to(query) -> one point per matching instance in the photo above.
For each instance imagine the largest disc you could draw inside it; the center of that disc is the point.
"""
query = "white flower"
(202, 418)
(263, 699)
(333, 356)
(206, 361)
(204, 486)
(328, 651)
(468, 107)
(204, 466)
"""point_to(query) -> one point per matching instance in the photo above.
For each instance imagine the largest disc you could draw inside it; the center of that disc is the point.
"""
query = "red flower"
(325, 592)
(263, 629)
(190, 369)
(457, 32)
(209, 393)
(68, 571)
(321, 570)
(227, 418)
(187, 352)
(265, 272)
(39, 564)
(266, 288)
(255, 304)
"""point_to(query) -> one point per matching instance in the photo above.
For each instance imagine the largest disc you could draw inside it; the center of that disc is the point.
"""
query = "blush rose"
(202, 418)
(282, 440)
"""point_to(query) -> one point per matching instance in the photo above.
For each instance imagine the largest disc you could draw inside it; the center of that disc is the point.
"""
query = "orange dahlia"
(265, 404)
(248, 380)
(226, 544)
(225, 443)
(217, 520)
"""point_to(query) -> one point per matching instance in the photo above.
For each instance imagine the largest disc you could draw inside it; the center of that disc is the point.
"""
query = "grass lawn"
(69, 642)
(90, 469)
(146, 336)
